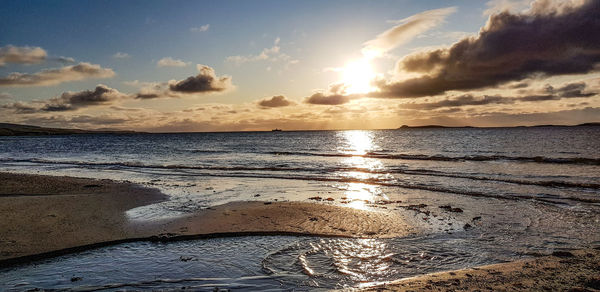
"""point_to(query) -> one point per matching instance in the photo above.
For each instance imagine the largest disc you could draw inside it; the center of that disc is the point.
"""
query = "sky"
(298, 65)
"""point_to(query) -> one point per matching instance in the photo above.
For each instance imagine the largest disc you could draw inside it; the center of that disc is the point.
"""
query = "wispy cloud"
(22, 55)
(272, 54)
(170, 62)
(58, 75)
(512, 6)
(406, 30)
(121, 55)
(202, 28)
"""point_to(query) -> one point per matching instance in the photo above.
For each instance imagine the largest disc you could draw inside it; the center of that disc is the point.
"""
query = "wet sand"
(562, 271)
(40, 214)
(46, 216)
(43, 216)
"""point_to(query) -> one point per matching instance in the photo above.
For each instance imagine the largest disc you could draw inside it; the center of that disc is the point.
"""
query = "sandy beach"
(44, 216)
(562, 271)
(47, 215)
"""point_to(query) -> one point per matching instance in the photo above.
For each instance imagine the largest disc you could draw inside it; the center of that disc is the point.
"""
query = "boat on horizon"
(276, 130)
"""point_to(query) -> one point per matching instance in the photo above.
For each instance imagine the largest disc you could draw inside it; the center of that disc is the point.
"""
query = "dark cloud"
(147, 95)
(511, 47)
(97, 120)
(570, 90)
(275, 101)
(459, 101)
(58, 75)
(328, 99)
(22, 55)
(205, 82)
(20, 108)
(501, 119)
(68, 101)
(335, 95)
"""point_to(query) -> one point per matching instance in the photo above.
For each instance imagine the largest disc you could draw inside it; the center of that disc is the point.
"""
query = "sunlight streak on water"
(355, 142)
(359, 143)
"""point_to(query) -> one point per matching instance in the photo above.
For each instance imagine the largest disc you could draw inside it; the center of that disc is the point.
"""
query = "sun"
(357, 75)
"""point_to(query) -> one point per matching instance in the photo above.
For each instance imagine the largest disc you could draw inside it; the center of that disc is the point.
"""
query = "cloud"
(202, 28)
(20, 108)
(272, 54)
(459, 101)
(328, 99)
(205, 82)
(170, 62)
(68, 101)
(511, 47)
(406, 30)
(121, 55)
(570, 90)
(275, 101)
(97, 120)
(58, 75)
(22, 55)
(497, 6)
(65, 60)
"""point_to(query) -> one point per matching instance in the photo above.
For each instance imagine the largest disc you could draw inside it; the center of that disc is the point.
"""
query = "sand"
(40, 214)
(45, 216)
(285, 218)
(577, 270)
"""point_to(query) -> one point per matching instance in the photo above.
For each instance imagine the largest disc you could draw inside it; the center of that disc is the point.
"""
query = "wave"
(335, 171)
(537, 159)
(369, 181)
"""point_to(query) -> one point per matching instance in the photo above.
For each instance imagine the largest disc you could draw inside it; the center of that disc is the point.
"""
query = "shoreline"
(575, 270)
(49, 216)
(45, 216)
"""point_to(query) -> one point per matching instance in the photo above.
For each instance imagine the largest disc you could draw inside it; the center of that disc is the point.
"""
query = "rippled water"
(520, 191)
(249, 263)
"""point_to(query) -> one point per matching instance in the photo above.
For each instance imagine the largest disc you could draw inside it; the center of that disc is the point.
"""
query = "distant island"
(7, 129)
(467, 127)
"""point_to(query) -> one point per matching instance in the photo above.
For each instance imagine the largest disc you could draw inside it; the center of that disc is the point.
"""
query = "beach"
(46, 216)
(49, 215)
(561, 271)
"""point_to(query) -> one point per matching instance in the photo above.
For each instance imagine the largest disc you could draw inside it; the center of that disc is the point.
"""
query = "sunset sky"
(259, 65)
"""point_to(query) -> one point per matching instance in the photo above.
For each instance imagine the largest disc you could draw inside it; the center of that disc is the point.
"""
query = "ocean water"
(522, 191)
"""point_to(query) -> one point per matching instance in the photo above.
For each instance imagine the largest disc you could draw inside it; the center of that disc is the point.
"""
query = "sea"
(476, 196)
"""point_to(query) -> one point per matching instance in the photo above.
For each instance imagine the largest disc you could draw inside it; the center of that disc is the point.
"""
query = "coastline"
(576, 270)
(45, 216)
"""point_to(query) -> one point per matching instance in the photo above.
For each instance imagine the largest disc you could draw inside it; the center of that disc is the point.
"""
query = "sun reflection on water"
(360, 259)
(358, 143)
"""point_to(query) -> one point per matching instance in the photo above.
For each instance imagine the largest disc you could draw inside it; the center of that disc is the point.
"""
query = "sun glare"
(358, 75)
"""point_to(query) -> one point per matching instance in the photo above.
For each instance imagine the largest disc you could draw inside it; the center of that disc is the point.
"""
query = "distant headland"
(467, 127)
(7, 129)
